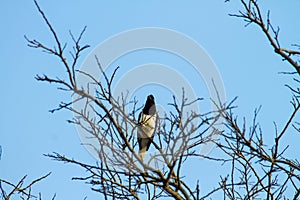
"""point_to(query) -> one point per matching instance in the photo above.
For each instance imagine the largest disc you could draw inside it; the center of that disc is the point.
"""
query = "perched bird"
(146, 126)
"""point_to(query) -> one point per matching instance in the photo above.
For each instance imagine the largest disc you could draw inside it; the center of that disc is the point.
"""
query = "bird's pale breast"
(147, 126)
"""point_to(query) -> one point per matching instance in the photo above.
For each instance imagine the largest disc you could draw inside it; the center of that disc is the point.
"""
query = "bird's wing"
(149, 142)
(140, 118)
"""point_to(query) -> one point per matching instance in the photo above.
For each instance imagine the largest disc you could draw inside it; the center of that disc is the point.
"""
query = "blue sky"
(246, 62)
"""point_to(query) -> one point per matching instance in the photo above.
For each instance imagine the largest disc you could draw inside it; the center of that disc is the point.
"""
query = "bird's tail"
(142, 153)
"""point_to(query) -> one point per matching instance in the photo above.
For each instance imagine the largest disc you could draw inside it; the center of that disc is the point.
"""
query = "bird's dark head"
(150, 108)
(150, 98)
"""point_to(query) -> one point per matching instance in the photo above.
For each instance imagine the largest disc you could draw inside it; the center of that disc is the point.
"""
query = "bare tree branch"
(252, 14)
(257, 169)
(24, 191)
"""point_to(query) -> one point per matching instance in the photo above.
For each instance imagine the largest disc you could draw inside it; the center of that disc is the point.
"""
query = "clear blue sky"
(246, 62)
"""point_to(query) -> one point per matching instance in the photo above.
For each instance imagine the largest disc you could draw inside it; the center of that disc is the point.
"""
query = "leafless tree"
(121, 173)
(261, 170)
(258, 170)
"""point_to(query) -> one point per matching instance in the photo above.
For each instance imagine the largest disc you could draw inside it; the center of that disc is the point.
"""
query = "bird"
(146, 126)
